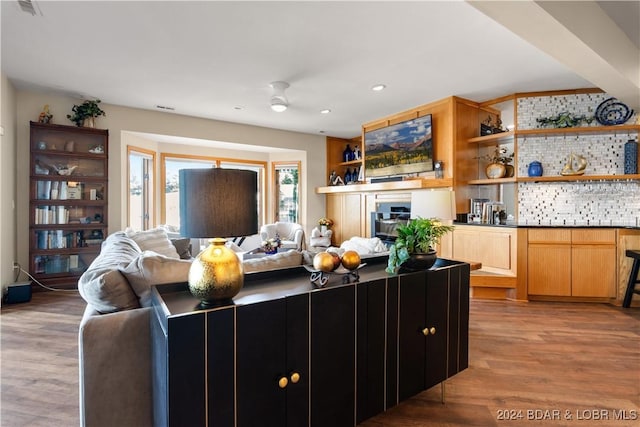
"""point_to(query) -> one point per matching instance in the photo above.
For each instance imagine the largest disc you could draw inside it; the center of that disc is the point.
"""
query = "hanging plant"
(87, 110)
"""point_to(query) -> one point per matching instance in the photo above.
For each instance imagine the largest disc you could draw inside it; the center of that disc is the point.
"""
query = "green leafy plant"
(499, 155)
(84, 111)
(419, 235)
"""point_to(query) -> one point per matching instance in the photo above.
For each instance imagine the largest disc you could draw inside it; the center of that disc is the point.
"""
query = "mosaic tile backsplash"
(588, 203)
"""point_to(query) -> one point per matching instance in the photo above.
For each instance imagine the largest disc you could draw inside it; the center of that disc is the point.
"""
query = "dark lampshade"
(218, 202)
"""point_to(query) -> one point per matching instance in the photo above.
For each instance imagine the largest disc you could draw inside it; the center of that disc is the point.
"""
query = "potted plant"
(499, 163)
(270, 246)
(85, 113)
(414, 246)
(324, 223)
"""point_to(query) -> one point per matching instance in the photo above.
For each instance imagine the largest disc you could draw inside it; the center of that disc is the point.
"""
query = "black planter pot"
(418, 262)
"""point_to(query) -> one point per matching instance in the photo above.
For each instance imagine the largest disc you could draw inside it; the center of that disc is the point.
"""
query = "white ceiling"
(206, 58)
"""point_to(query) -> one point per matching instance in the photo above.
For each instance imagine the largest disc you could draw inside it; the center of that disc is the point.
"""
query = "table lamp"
(217, 202)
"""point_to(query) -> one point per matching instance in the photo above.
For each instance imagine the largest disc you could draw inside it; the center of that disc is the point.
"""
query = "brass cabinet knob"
(295, 377)
(282, 382)
(427, 331)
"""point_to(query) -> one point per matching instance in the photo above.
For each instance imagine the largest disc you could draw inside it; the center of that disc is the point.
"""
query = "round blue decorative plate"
(612, 112)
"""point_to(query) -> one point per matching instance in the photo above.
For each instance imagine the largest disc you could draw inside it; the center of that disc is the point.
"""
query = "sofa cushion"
(270, 262)
(155, 240)
(102, 285)
(151, 268)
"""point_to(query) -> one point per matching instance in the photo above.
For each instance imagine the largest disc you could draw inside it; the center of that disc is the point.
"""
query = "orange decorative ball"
(323, 261)
(350, 260)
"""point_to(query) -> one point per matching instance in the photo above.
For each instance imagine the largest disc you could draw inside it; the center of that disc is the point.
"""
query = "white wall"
(7, 182)
(122, 120)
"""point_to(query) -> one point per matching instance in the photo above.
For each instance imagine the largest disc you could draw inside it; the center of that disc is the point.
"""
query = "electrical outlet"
(16, 266)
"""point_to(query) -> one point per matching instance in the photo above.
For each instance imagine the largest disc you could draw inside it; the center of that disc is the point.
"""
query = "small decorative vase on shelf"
(89, 122)
(495, 170)
(535, 168)
(323, 229)
(509, 171)
(631, 157)
(347, 154)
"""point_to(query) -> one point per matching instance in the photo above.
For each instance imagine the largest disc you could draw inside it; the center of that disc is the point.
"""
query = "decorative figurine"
(580, 163)
(356, 153)
(334, 179)
(45, 116)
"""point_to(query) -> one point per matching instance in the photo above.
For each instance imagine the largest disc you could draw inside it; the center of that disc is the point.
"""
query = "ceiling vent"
(29, 7)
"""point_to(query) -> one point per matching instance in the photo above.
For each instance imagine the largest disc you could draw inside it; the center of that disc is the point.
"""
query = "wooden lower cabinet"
(572, 262)
(347, 212)
(272, 371)
(325, 357)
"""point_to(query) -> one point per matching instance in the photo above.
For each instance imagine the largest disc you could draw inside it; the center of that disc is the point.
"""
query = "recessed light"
(378, 87)
(325, 111)
(237, 107)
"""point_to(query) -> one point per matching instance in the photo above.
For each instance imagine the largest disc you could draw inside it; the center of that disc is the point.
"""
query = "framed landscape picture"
(401, 149)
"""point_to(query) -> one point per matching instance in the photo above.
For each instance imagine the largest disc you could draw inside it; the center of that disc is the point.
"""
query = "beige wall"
(122, 120)
(7, 182)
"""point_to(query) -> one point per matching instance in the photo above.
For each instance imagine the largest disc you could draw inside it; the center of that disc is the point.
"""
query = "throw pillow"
(102, 285)
(151, 268)
(183, 247)
(155, 240)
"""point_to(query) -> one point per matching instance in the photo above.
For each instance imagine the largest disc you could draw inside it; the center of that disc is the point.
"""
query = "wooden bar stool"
(633, 278)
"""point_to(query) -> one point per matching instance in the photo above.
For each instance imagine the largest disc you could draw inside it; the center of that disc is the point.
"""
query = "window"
(172, 163)
(141, 164)
(287, 190)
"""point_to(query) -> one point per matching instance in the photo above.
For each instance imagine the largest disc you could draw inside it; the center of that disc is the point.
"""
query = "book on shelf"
(43, 190)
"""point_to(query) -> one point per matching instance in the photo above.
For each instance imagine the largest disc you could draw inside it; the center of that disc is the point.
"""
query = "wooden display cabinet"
(335, 156)
(67, 200)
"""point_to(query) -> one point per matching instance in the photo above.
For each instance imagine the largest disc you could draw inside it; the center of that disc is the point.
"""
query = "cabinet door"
(371, 326)
(346, 211)
(593, 271)
(436, 327)
(267, 393)
(411, 341)
(333, 357)
(549, 269)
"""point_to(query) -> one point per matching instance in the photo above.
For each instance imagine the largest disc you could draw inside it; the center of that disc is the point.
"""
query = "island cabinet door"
(370, 354)
(411, 340)
(435, 330)
(333, 345)
(272, 385)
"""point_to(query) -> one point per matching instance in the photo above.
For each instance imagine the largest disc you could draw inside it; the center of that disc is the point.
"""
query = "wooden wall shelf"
(491, 181)
(409, 184)
(561, 178)
(578, 130)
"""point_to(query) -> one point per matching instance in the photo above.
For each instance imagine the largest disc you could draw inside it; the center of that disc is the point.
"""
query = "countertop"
(542, 225)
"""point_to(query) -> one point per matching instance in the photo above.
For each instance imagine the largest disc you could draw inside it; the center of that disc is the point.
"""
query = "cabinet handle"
(295, 377)
(427, 331)
(282, 382)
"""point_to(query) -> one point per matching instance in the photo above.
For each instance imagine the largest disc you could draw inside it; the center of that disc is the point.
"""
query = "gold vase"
(89, 122)
(216, 274)
(495, 170)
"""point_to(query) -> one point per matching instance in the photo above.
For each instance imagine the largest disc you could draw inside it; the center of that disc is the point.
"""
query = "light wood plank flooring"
(574, 358)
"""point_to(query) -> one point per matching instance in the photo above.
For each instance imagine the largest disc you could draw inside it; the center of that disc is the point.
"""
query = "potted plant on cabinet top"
(85, 113)
(414, 246)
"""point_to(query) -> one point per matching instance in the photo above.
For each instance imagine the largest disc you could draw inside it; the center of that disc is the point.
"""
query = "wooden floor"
(573, 361)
